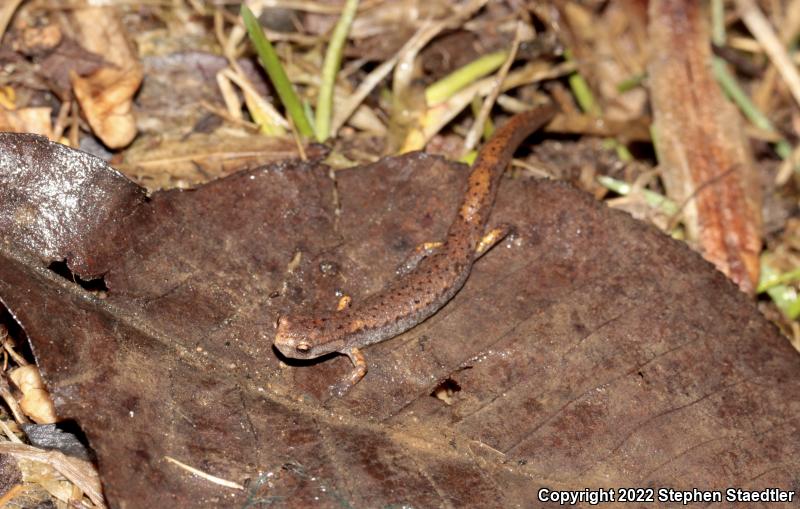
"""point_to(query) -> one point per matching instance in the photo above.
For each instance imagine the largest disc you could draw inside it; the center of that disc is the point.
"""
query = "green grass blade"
(652, 198)
(445, 88)
(333, 61)
(582, 91)
(631, 82)
(269, 60)
(784, 296)
(746, 106)
(718, 22)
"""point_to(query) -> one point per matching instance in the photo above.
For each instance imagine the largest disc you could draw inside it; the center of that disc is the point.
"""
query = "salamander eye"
(303, 347)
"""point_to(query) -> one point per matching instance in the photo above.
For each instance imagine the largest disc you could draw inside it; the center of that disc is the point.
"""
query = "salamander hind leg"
(491, 238)
(355, 376)
(421, 252)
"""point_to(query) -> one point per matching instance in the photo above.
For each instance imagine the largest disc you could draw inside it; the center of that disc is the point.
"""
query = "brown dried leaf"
(705, 158)
(106, 95)
(68, 57)
(35, 401)
(35, 39)
(592, 350)
(27, 120)
(101, 30)
(105, 98)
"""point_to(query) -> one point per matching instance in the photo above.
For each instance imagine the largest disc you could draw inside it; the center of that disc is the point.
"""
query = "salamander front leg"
(344, 303)
(359, 365)
(359, 370)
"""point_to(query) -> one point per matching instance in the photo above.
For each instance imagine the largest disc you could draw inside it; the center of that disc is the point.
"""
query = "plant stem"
(269, 60)
(333, 60)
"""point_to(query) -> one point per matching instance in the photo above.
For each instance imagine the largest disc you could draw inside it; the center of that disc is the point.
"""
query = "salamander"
(426, 284)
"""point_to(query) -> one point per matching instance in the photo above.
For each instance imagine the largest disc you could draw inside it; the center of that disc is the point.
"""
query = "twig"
(6, 13)
(257, 101)
(788, 166)
(222, 113)
(204, 475)
(477, 127)
(11, 494)
(759, 26)
(9, 433)
(61, 120)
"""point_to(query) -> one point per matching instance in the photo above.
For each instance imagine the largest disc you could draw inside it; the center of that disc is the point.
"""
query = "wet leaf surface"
(590, 350)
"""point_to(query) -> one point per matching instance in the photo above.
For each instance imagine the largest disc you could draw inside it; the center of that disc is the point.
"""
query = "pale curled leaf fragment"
(105, 98)
(404, 74)
(27, 120)
(42, 39)
(106, 95)
(36, 401)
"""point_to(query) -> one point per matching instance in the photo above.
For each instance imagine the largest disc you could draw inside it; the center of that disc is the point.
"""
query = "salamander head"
(302, 338)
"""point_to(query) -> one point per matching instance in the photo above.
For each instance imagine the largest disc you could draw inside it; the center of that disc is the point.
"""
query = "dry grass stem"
(204, 475)
(761, 29)
(475, 131)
